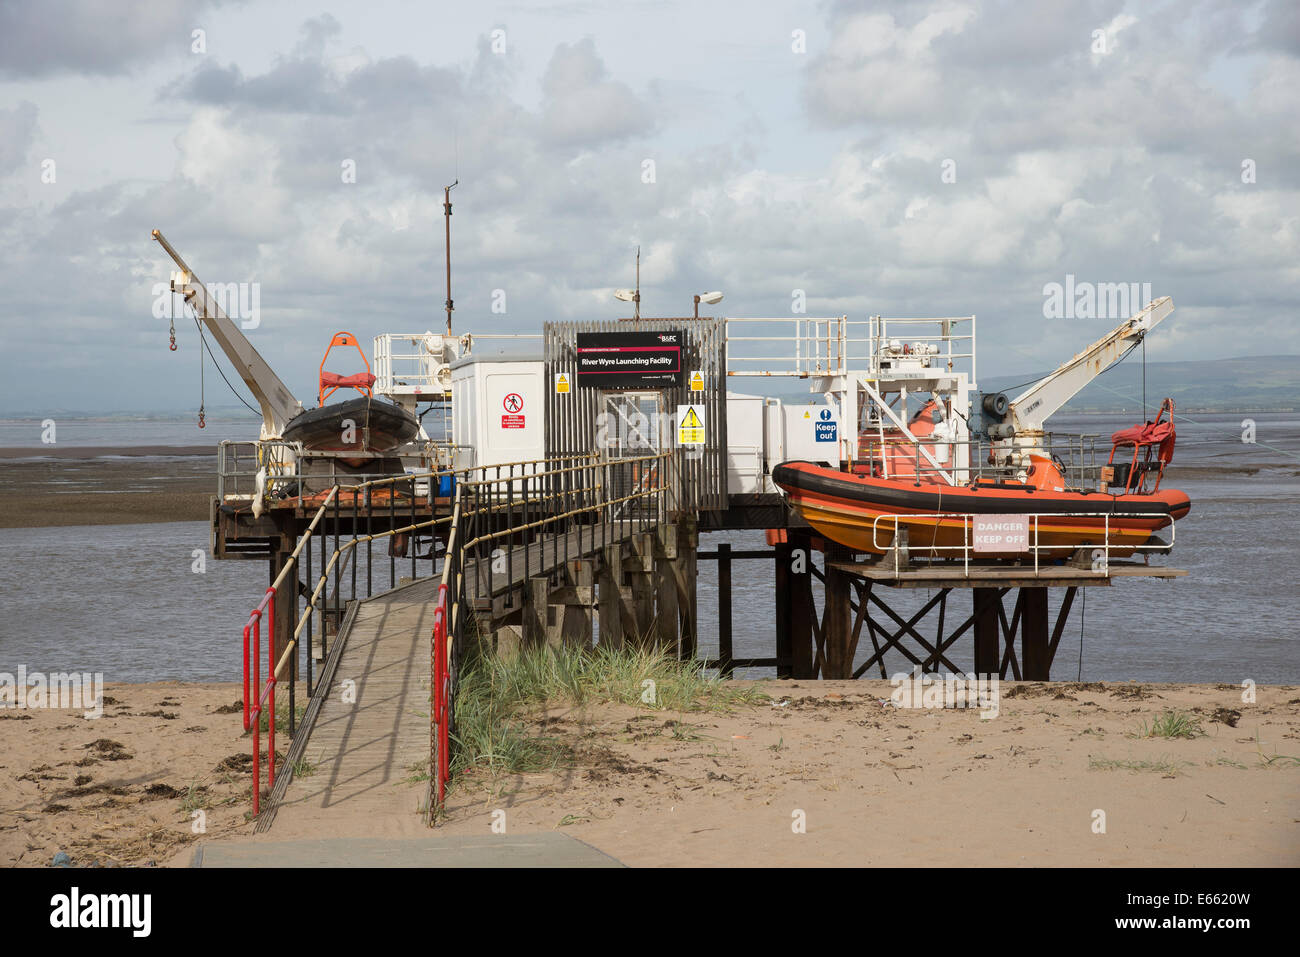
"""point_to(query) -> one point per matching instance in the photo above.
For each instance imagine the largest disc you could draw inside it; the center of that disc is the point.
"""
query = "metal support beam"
(1036, 659)
(724, 610)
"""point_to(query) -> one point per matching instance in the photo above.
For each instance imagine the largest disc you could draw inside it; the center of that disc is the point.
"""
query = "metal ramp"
(370, 732)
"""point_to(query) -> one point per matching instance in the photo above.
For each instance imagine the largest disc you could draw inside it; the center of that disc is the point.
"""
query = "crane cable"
(204, 341)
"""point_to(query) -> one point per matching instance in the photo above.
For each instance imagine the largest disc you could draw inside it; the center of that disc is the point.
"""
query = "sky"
(901, 159)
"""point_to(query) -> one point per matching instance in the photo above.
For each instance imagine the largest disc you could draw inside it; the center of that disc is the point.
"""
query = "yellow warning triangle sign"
(692, 421)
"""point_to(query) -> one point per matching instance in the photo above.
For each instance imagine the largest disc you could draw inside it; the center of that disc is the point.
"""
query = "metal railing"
(1099, 564)
(805, 347)
(1077, 454)
(568, 510)
(299, 477)
(393, 503)
(259, 697)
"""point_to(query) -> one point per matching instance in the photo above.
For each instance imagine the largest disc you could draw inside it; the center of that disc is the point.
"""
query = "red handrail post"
(247, 701)
(257, 712)
(440, 704)
(270, 680)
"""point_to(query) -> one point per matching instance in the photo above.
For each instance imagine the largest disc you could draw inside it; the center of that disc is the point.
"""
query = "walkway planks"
(365, 753)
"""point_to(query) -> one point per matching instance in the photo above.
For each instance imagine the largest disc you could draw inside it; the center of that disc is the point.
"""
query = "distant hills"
(1246, 384)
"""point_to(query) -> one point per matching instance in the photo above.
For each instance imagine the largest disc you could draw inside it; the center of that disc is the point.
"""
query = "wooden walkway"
(368, 755)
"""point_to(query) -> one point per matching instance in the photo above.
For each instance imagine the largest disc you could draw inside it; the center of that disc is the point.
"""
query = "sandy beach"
(871, 784)
(119, 790)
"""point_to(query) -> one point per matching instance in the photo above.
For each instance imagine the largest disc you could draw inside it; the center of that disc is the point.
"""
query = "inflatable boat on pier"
(864, 511)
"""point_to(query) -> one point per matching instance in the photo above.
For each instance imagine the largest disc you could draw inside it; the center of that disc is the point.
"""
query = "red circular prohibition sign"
(513, 402)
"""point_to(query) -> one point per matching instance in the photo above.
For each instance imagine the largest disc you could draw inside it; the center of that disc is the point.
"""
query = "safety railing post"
(510, 550)
(257, 716)
(310, 612)
(293, 672)
(324, 577)
(270, 681)
(247, 678)
(338, 569)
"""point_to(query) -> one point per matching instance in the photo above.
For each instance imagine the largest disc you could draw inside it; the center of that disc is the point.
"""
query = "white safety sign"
(1000, 533)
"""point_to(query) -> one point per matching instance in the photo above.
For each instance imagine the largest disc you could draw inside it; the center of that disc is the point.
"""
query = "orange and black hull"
(862, 512)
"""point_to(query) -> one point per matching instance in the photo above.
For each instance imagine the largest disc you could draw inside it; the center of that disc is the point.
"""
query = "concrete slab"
(506, 850)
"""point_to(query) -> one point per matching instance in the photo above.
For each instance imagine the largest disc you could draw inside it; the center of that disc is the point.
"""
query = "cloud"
(17, 132)
(583, 106)
(1129, 170)
(93, 37)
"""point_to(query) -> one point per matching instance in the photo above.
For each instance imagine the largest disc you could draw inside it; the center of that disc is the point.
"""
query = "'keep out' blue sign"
(825, 427)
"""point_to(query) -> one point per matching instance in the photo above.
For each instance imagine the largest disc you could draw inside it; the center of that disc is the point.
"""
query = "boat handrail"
(1100, 563)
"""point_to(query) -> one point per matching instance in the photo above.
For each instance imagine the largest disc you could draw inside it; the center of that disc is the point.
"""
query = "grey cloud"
(583, 105)
(1280, 29)
(92, 36)
(1121, 174)
(17, 131)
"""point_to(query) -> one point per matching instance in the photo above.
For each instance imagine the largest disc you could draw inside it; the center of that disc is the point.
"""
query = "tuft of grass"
(281, 717)
(1173, 724)
(196, 797)
(496, 694)
(1275, 759)
(302, 768)
(1161, 765)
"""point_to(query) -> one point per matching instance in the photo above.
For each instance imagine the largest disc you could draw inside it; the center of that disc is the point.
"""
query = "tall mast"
(446, 210)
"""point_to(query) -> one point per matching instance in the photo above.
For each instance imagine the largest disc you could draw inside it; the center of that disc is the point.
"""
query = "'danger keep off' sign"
(1000, 533)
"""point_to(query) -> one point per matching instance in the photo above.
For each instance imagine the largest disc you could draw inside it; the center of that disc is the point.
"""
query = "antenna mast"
(446, 209)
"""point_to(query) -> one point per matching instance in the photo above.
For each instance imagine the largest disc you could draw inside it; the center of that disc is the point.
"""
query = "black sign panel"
(630, 360)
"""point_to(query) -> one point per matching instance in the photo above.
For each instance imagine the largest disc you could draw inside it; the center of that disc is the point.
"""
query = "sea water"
(127, 600)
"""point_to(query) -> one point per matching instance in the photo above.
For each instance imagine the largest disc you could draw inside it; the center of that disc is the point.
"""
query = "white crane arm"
(1029, 410)
(277, 402)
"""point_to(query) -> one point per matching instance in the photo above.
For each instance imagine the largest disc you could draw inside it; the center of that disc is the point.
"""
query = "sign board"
(690, 425)
(561, 382)
(1000, 533)
(697, 381)
(513, 403)
(630, 360)
(825, 428)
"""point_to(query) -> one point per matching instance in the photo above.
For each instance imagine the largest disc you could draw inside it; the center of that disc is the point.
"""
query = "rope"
(203, 341)
(256, 412)
(1144, 378)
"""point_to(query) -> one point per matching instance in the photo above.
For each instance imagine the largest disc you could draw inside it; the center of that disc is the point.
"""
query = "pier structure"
(567, 507)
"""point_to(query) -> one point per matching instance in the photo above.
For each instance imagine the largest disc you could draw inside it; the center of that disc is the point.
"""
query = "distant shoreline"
(105, 485)
(99, 451)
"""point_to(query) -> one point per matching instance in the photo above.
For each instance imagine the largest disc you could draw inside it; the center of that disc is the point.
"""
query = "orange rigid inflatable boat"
(862, 511)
